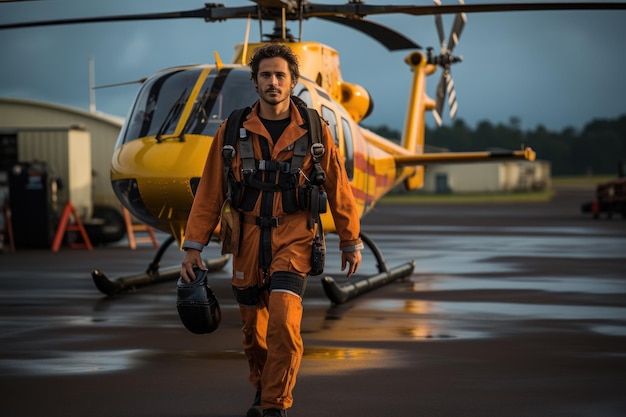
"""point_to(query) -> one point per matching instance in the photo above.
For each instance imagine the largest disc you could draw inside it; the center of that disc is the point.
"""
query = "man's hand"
(353, 259)
(192, 258)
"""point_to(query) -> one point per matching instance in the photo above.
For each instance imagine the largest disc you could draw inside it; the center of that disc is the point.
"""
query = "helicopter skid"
(339, 294)
(152, 275)
(122, 284)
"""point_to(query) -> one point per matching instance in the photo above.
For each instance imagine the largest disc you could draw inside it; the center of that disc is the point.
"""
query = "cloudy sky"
(555, 69)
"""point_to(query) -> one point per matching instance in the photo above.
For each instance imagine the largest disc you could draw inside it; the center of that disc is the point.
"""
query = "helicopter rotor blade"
(277, 4)
(457, 28)
(350, 14)
(439, 25)
(359, 9)
(388, 37)
(451, 95)
(270, 9)
(209, 14)
(440, 96)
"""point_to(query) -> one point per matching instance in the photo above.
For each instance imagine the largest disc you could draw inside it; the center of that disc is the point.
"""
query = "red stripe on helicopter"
(381, 180)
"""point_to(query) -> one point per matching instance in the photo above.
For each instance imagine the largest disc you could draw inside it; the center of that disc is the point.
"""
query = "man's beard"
(273, 100)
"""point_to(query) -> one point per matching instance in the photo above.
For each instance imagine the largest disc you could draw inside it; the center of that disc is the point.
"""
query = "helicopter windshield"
(221, 93)
(161, 100)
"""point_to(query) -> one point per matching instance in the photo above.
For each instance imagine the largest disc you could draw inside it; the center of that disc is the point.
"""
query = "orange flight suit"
(271, 328)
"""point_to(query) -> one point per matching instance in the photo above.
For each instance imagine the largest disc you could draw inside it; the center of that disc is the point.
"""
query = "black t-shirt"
(276, 127)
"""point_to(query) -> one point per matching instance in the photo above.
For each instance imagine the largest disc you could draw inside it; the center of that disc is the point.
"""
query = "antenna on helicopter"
(445, 59)
(92, 85)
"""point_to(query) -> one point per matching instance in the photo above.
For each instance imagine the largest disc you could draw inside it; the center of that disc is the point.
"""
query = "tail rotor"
(445, 59)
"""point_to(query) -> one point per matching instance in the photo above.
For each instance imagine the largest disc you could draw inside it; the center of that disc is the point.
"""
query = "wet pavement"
(512, 310)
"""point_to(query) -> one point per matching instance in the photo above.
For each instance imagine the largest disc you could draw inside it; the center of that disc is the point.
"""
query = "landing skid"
(152, 275)
(339, 294)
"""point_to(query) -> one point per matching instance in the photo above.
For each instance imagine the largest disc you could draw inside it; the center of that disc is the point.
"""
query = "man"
(274, 258)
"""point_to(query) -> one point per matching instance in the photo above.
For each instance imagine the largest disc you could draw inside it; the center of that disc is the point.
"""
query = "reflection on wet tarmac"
(439, 315)
(321, 360)
(333, 360)
(70, 363)
(552, 284)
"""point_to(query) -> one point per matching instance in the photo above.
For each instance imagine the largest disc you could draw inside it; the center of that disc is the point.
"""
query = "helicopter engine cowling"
(356, 100)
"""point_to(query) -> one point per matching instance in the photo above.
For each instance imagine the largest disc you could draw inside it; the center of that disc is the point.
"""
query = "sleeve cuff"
(351, 245)
(353, 248)
(187, 244)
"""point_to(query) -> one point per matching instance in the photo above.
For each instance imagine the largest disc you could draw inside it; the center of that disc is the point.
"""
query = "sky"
(552, 69)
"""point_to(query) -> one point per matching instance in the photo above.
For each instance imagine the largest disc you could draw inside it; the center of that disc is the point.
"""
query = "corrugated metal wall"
(68, 154)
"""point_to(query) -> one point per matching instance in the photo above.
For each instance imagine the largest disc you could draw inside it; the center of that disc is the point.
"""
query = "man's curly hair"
(273, 50)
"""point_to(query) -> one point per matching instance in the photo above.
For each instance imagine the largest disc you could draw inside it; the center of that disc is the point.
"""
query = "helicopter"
(162, 147)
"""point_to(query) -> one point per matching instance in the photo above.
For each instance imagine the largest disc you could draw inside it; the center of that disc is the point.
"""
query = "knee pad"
(289, 282)
(248, 297)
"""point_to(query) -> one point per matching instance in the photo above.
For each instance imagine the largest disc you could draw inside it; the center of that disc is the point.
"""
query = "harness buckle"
(228, 152)
(284, 167)
(267, 221)
(250, 171)
(317, 150)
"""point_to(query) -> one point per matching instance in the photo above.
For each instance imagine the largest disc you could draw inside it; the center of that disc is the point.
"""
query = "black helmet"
(197, 306)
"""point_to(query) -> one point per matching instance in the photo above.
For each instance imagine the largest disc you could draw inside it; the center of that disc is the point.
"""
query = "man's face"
(274, 81)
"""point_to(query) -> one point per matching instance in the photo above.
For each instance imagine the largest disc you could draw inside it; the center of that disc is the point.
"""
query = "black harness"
(263, 178)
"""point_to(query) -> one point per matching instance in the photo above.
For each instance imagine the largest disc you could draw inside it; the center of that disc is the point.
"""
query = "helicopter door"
(348, 147)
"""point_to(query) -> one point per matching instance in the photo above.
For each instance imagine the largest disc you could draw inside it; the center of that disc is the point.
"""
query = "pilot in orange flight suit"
(269, 291)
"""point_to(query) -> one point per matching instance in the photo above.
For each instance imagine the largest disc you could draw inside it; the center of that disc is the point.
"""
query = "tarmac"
(513, 310)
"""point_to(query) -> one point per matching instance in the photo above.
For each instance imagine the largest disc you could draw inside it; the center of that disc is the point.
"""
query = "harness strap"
(248, 164)
(232, 132)
(262, 221)
(261, 175)
(299, 152)
(267, 209)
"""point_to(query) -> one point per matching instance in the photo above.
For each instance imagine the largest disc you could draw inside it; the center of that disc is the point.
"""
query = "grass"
(465, 198)
(580, 181)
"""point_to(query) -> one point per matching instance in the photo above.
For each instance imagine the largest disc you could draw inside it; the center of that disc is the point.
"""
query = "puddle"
(333, 360)
(551, 284)
(476, 310)
(72, 363)
(570, 242)
(610, 330)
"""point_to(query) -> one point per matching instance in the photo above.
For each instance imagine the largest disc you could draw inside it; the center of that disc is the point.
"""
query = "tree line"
(595, 150)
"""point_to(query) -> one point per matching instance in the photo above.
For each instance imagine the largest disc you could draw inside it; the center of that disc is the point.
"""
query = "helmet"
(197, 306)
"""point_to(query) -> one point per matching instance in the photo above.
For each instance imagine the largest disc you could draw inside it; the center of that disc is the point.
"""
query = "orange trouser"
(273, 345)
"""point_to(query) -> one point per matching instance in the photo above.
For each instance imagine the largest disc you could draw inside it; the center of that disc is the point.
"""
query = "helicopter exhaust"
(339, 294)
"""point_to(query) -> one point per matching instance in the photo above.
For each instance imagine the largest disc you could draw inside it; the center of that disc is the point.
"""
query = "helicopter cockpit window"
(329, 115)
(301, 92)
(161, 101)
(159, 104)
(223, 92)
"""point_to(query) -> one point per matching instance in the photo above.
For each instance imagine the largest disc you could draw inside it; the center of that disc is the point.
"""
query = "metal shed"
(17, 115)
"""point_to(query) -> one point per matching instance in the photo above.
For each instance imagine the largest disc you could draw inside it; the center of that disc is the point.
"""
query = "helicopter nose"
(127, 191)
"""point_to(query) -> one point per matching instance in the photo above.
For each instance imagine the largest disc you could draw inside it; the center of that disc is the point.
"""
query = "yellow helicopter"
(162, 148)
